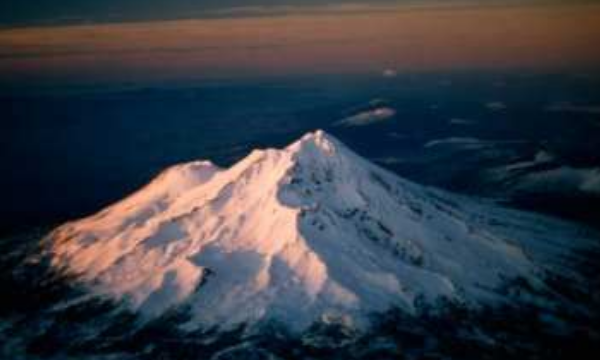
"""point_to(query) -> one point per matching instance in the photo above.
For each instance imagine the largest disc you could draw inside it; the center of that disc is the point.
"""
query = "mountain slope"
(309, 232)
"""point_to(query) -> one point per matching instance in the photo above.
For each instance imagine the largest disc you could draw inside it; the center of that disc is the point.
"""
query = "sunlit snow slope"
(308, 232)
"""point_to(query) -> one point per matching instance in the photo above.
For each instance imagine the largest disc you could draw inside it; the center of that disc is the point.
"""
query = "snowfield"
(309, 232)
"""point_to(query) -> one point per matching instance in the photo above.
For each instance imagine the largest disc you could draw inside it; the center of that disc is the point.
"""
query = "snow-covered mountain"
(312, 231)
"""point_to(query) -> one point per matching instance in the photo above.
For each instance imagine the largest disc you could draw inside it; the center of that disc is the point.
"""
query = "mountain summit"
(309, 232)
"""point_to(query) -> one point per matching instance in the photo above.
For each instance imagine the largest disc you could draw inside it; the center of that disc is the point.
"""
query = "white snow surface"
(309, 232)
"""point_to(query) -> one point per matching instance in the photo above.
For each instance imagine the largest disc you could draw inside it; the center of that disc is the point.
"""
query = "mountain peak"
(317, 141)
(317, 136)
(298, 234)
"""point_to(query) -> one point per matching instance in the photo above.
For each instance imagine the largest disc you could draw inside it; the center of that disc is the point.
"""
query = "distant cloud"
(378, 102)
(466, 143)
(460, 121)
(563, 179)
(368, 117)
(390, 160)
(543, 173)
(389, 73)
(398, 136)
(570, 108)
(541, 157)
(512, 170)
(486, 148)
(495, 106)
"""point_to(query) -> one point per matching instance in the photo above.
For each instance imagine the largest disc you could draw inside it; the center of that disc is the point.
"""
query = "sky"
(137, 40)
(27, 12)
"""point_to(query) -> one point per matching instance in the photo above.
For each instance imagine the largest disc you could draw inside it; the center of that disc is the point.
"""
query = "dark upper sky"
(28, 12)
(57, 11)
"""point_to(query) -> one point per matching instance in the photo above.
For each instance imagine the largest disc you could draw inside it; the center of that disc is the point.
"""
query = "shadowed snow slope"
(309, 232)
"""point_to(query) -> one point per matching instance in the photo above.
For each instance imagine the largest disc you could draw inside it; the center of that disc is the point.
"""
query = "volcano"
(311, 232)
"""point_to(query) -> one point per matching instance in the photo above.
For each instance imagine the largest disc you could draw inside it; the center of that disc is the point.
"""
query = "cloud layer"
(340, 40)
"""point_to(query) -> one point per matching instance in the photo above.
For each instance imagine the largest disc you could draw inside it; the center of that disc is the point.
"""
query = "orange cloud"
(537, 37)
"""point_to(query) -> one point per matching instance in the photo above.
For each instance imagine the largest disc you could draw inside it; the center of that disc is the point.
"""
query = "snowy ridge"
(309, 232)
